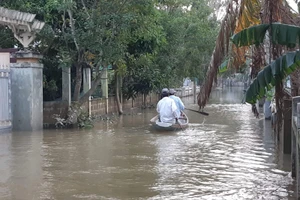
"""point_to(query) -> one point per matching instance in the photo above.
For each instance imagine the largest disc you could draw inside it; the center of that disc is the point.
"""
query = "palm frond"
(238, 16)
(219, 53)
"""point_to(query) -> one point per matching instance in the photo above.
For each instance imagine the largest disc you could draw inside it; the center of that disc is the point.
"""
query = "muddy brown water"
(226, 155)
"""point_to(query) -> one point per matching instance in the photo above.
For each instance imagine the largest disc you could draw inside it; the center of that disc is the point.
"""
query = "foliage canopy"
(151, 43)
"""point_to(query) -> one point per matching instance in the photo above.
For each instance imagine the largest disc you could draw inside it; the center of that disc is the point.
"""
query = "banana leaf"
(261, 83)
(250, 95)
(296, 61)
(269, 79)
(282, 34)
(276, 67)
(249, 36)
(290, 59)
(285, 34)
(272, 74)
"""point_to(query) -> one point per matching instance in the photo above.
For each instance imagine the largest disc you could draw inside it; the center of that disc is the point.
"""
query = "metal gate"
(5, 97)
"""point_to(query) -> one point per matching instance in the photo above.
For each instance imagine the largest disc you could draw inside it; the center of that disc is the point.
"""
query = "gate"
(5, 97)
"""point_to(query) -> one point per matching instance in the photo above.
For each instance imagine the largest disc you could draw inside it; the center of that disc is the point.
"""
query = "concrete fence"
(50, 109)
(98, 105)
(5, 97)
(295, 143)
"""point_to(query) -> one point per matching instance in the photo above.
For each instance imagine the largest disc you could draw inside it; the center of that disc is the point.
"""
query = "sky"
(221, 12)
(293, 4)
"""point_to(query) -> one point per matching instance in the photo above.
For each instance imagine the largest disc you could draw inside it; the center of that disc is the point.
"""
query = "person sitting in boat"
(166, 107)
(179, 103)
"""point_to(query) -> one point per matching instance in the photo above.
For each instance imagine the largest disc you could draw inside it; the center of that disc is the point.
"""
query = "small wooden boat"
(182, 123)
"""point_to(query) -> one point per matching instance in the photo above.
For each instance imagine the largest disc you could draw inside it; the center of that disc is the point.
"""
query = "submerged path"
(226, 155)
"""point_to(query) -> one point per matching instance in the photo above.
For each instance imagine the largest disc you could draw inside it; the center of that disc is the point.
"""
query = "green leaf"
(250, 95)
(253, 35)
(261, 83)
(283, 34)
(272, 75)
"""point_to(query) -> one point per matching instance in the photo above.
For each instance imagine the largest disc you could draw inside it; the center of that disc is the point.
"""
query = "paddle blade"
(200, 112)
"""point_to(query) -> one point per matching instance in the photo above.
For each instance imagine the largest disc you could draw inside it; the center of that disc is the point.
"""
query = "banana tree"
(281, 35)
(238, 16)
(271, 75)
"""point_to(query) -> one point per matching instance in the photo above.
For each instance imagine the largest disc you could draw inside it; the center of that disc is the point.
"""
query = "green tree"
(190, 30)
(151, 44)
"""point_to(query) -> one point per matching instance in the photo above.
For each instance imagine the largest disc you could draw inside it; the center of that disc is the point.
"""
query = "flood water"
(226, 155)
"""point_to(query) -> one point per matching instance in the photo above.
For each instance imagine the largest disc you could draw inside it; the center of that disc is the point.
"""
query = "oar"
(201, 112)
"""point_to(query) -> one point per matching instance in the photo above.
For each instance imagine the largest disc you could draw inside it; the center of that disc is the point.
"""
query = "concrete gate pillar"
(27, 91)
(104, 88)
(87, 85)
(66, 85)
(5, 92)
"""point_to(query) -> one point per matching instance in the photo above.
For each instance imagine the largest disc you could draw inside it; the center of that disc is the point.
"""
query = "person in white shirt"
(179, 103)
(166, 108)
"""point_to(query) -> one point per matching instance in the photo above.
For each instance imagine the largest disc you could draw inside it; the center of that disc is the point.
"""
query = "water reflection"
(20, 165)
(227, 95)
(226, 155)
(5, 140)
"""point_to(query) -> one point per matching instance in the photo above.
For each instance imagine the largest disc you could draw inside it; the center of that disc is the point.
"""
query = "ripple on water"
(221, 161)
(227, 155)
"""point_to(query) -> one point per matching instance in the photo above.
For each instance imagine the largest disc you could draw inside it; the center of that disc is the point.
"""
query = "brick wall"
(97, 106)
(54, 107)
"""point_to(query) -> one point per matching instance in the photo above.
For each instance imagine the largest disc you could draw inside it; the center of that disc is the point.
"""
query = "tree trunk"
(279, 107)
(119, 104)
(75, 109)
(295, 83)
(271, 13)
(95, 84)
(121, 86)
(78, 82)
(219, 53)
(145, 100)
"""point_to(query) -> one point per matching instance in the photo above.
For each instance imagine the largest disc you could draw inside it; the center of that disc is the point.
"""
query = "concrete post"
(295, 101)
(195, 92)
(267, 109)
(293, 155)
(66, 85)
(104, 88)
(5, 92)
(121, 86)
(87, 85)
(27, 92)
(298, 115)
(297, 152)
